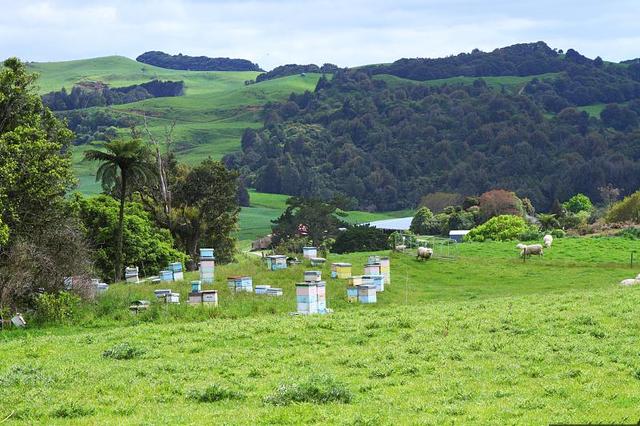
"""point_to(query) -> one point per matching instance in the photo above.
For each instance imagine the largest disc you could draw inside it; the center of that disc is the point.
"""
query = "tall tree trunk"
(123, 192)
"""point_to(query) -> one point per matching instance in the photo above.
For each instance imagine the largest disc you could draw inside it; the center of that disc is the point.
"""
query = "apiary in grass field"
(239, 284)
(367, 293)
(307, 298)
(176, 268)
(207, 265)
(312, 276)
(309, 252)
(276, 262)
(373, 269)
(377, 280)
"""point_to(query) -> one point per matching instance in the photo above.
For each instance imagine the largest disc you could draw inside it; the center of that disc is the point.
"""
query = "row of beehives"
(174, 271)
(278, 261)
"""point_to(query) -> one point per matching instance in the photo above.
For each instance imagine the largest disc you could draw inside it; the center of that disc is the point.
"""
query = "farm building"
(399, 224)
(457, 235)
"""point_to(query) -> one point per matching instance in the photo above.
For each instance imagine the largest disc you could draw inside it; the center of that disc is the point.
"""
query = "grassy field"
(210, 117)
(255, 221)
(483, 339)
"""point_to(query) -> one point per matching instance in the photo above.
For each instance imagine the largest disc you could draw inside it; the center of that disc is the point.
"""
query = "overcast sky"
(346, 33)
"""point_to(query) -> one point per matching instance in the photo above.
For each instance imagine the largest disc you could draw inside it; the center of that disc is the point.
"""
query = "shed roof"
(399, 224)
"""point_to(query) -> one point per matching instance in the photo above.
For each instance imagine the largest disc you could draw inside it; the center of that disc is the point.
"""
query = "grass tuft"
(213, 393)
(123, 351)
(315, 390)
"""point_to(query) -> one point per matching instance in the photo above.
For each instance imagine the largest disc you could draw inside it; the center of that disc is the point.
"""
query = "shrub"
(56, 308)
(499, 228)
(360, 238)
(213, 393)
(123, 351)
(630, 233)
(316, 390)
(575, 220)
(532, 233)
(421, 221)
(578, 203)
(397, 238)
(626, 210)
(499, 202)
(558, 233)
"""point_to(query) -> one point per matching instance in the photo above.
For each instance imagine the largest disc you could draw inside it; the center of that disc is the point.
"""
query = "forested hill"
(196, 63)
(387, 145)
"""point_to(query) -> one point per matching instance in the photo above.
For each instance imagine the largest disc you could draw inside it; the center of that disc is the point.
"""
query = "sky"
(346, 33)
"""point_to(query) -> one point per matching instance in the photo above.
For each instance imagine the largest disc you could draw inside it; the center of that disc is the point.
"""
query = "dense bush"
(145, 245)
(531, 234)
(422, 222)
(196, 63)
(293, 69)
(499, 202)
(315, 390)
(578, 203)
(56, 308)
(558, 233)
(499, 228)
(626, 210)
(360, 238)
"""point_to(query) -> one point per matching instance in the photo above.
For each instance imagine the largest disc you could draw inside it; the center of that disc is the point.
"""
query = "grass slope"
(255, 221)
(210, 117)
(485, 339)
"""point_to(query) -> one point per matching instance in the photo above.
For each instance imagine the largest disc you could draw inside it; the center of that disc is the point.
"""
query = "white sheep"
(630, 281)
(548, 240)
(534, 249)
(424, 253)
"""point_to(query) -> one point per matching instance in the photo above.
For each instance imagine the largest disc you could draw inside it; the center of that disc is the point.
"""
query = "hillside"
(387, 140)
(210, 117)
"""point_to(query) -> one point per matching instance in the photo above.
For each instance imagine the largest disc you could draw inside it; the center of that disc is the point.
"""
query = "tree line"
(196, 63)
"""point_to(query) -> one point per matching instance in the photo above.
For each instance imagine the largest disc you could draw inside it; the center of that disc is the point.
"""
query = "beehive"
(276, 261)
(207, 270)
(131, 274)
(373, 269)
(206, 253)
(343, 270)
(176, 268)
(166, 275)
(377, 280)
(354, 280)
(322, 297)
(352, 294)
(210, 297)
(307, 298)
(274, 292)
(309, 252)
(317, 261)
(262, 289)
(196, 286)
(312, 276)
(385, 268)
(367, 293)
(239, 283)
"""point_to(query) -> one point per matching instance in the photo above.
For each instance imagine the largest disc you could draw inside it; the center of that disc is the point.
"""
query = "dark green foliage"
(421, 223)
(213, 393)
(196, 63)
(319, 217)
(626, 210)
(122, 351)
(71, 410)
(531, 234)
(293, 69)
(360, 238)
(95, 124)
(145, 245)
(98, 94)
(315, 390)
(578, 203)
(630, 233)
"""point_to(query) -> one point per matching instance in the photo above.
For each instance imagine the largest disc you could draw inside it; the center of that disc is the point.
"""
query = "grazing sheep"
(629, 281)
(534, 249)
(424, 253)
(400, 247)
(548, 240)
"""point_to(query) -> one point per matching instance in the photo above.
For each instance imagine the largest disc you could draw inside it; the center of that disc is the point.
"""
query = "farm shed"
(399, 224)
(457, 235)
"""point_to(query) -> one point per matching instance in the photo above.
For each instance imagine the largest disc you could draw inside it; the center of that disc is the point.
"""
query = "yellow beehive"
(343, 270)
(355, 280)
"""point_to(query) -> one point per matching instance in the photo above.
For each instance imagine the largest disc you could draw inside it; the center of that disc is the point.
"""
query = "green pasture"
(483, 339)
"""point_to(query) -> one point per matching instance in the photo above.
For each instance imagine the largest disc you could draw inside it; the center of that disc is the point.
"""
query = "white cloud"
(275, 32)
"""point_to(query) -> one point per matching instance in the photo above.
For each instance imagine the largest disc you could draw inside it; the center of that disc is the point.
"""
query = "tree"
(206, 209)
(39, 243)
(360, 238)
(499, 202)
(609, 194)
(626, 210)
(146, 246)
(437, 201)
(578, 203)
(122, 161)
(548, 221)
(318, 217)
(420, 224)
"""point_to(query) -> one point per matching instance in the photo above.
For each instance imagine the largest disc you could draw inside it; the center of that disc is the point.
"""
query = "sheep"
(424, 253)
(548, 240)
(400, 247)
(629, 281)
(534, 249)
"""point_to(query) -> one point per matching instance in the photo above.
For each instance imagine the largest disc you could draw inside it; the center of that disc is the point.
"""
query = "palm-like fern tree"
(122, 161)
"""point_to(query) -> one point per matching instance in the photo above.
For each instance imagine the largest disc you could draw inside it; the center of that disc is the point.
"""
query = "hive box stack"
(309, 252)
(272, 291)
(207, 265)
(307, 298)
(317, 261)
(367, 293)
(166, 275)
(352, 294)
(167, 296)
(373, 269)
(196, 286)
(205, 297)
(312, 276)
(131, 274)
(385, 269)
(277, 261)
(355, 280)
(373, 259)
(322, 297)
(377, 280)
(176, 268)
(262, 289)
(238, 284)
(342, 270)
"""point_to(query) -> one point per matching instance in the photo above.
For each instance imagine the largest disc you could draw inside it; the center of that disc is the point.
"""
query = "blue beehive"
(239, 283)
(196, 286)
(276, 261)
(377, 280)
(367, 293)
(206, 253)
(166, 275)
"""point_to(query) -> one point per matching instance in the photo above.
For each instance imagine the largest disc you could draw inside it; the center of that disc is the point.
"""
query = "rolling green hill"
(210, 117)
